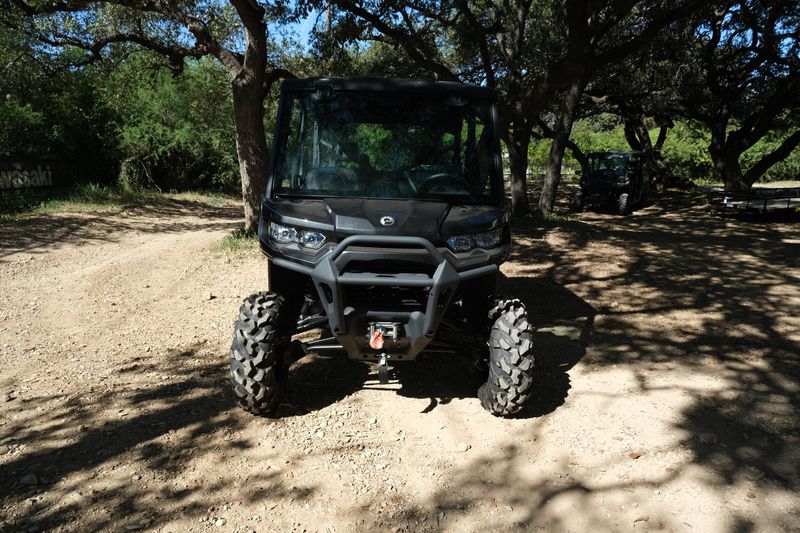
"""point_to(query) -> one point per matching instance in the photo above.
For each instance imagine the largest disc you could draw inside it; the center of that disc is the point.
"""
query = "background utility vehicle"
(385, 221)
(613, 179)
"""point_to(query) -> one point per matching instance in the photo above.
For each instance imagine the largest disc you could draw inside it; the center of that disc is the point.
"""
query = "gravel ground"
(666, 397)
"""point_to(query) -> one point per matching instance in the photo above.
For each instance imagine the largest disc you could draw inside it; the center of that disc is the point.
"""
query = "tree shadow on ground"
(724, 297)
(315, 382)
(740, 277)
(682, 300)
(80, 450)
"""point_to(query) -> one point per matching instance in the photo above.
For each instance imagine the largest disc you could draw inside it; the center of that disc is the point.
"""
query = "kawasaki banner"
(31, 174)
(29, 181)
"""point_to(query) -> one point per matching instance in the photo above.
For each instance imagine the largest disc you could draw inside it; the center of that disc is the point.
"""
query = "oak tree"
(233, 32)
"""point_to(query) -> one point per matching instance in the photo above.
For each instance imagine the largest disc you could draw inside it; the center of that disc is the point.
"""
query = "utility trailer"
(760, 200)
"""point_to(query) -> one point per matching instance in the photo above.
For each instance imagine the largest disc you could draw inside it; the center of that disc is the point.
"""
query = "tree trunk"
(631, 134)
(518, 138)
(561, 135)
(251, 147)
(726, 160)
(248, 111)
(662, 174)
(638, 137)
(645, 146)
(577, 153)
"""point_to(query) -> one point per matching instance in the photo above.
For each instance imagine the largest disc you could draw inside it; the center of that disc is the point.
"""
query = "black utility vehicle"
(385, 221)
(614, 179)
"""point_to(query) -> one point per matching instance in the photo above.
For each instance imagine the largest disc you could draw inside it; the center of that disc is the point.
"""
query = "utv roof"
(389, 85)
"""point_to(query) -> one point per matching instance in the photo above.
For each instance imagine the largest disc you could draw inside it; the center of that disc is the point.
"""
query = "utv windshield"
(616, 165)
(374, 145)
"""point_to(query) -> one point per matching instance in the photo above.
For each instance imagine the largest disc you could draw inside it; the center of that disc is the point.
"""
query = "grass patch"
(707, 182)
(211, 199)
(238, 241)
(556, 219)
(83, 198)
(88, 198)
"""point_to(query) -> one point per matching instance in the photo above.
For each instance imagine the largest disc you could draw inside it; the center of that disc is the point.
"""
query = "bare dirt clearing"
(667, 398)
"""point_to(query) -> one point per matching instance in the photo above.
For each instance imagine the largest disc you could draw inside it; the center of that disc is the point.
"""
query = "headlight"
(485, 240)
(282, 234)
(311, 239)
(462, 243)
(490, 239)
(287, 235)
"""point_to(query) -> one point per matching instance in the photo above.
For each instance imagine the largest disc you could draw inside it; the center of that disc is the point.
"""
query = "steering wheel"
(443, 178)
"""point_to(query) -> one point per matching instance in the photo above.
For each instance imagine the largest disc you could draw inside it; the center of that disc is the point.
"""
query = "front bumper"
(350, 324)
(602, 194)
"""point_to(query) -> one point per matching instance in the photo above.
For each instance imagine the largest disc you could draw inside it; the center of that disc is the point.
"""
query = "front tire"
(511, 368)
(259, 369)
(577, 202)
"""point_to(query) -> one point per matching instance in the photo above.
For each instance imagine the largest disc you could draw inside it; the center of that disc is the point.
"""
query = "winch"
(379, 331)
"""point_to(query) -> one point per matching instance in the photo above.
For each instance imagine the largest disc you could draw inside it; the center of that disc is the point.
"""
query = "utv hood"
(370, 216)
(342, 217)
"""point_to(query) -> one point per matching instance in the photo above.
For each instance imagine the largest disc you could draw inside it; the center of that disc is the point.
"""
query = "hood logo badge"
(387, 221)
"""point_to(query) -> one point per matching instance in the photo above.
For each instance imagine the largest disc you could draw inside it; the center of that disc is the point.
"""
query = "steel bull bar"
(351, 326)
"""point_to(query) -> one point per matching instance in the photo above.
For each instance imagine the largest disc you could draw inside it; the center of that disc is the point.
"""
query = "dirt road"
(667, 395)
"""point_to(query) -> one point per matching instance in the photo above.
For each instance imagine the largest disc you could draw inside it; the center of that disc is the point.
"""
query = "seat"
(330, 178)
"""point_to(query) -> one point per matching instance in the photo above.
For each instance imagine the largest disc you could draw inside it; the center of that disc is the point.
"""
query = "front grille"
(377, 298)
(392, 266)
(599, 189)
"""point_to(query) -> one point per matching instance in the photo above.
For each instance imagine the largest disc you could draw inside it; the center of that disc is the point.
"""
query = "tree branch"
(483, 46)
(206, 43)
(645, 35)
(274, 75)
(406, 41)
(252, 17)
(775, 156)
(662, 136)
(578, 154)
(174, 53)
(761, 120)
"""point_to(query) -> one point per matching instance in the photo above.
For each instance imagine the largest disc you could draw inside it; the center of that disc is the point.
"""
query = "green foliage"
(383, 60)
(686, 152)
(20, 129)
(174, 132)
(53, 113)
(557, 219)
(686, 155)
(129, 117)
(380, 146)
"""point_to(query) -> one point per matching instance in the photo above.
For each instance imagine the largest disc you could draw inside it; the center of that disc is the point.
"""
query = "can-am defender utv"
(385, 221)
(614, 179)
